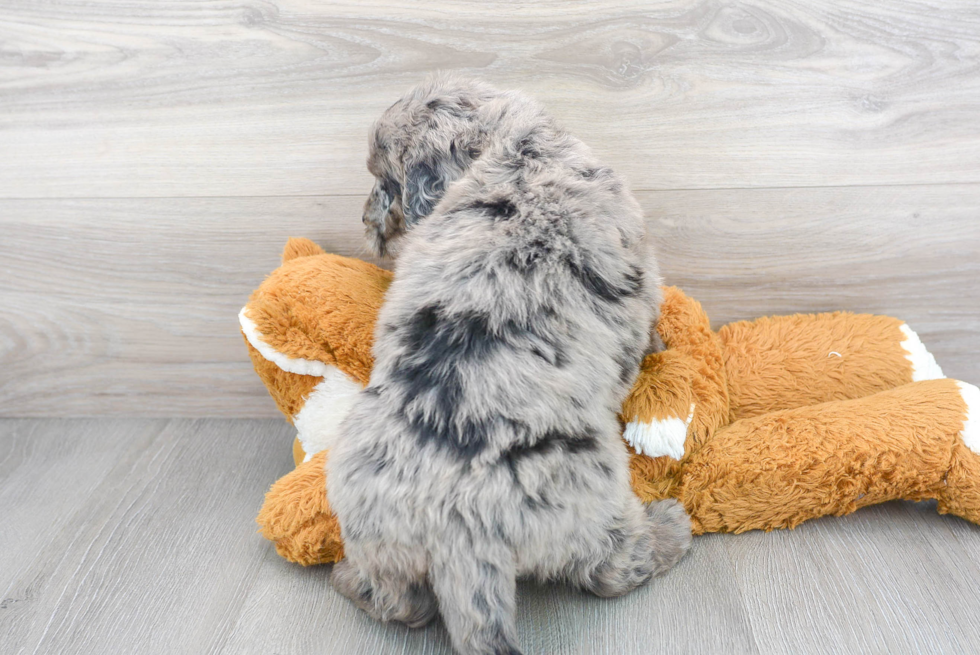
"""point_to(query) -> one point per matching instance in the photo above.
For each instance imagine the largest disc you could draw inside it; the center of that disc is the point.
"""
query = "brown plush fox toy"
(760, 425)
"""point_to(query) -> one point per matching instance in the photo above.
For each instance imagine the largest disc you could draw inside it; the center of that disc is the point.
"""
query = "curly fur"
(487, 446)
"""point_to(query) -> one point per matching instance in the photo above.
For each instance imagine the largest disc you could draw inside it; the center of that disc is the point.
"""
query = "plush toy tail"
(297, 517)
(916, 442)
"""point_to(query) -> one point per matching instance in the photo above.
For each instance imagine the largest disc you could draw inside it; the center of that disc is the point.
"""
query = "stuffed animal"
(759, 425)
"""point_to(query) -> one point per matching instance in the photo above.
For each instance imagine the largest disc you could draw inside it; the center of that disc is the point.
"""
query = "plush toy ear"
(299, 247)
(424, 186)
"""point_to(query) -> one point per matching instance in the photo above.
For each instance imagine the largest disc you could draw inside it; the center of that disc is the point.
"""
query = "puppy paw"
(670, 533)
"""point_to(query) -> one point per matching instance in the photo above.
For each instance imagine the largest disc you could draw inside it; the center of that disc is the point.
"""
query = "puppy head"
(419, 146)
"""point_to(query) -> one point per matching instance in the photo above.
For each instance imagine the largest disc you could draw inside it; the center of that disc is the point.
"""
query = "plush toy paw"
(297, 517)
(660, 407)
(659, 437)
(680, 395)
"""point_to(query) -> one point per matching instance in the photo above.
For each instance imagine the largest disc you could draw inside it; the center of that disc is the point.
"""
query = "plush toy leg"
(777, 470)
(960, 494)
(660, 406)
(680, 394)
(299, 455)
(782, 362)
(298, 519)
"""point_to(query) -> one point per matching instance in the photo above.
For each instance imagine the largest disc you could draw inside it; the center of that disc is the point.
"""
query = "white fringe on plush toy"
(971, 426)
(318, 422)
(664, 437)
(924, 366)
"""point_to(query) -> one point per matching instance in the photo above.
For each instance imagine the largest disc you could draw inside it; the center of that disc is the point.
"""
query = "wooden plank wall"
(790, 156)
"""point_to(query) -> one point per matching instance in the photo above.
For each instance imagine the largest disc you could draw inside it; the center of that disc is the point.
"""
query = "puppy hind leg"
(475, 581)
(652, 539)
(389, 596)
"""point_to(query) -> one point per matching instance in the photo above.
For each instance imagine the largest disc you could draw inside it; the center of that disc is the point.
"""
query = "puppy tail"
(475, 580)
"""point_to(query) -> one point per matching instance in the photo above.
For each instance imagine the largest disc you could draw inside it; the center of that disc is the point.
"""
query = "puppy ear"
(424, 186)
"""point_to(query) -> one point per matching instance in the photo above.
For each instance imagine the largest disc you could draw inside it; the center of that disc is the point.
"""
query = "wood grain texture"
(910, 252)
(128, 306)
(137, 536)
(48, 471)
(914, 583)
(157, 558)
(121, 98)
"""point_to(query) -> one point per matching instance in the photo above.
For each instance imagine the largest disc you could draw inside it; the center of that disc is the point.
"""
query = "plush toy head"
(760, 425)
(309, 329)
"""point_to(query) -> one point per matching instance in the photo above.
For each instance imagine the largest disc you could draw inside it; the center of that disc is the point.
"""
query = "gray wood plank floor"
(137, 536)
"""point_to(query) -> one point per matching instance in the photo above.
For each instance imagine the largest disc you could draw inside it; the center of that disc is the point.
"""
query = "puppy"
(486, 446)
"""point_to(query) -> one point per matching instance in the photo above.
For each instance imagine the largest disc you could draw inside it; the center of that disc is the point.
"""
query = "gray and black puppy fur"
(486, 446)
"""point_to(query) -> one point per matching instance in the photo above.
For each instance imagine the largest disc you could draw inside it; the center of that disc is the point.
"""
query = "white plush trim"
(330, 401)
(971, 425)
(285, 362)
(924, 366)
(658, 438)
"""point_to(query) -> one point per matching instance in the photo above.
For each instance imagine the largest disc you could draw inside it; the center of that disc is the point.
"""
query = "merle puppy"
(486, 446)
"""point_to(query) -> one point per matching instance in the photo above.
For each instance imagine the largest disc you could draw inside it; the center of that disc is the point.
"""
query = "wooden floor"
(137, 536)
